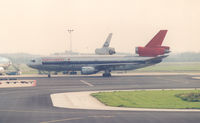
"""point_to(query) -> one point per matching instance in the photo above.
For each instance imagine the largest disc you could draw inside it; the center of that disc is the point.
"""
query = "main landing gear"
(49, 75)
(73, 73)
(107, 73)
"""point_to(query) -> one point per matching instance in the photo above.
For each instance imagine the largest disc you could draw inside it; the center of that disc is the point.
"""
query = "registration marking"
(87, 83)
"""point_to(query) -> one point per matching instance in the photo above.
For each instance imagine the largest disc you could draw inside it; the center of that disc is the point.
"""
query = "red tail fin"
(157, 39)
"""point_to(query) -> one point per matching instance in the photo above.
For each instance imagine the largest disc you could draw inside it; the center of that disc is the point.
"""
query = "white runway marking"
(68, 119)
(76, 118)
(87, 83)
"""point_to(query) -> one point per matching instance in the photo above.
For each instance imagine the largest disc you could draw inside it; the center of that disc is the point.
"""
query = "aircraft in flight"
(151, 54)
(106, 50)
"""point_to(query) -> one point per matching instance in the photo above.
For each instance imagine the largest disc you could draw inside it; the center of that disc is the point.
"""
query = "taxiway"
(34, 105)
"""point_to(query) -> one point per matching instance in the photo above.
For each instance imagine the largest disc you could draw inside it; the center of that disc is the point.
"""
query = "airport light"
(70, 38)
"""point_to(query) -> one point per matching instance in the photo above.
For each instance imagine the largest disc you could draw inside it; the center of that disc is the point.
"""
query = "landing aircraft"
(151, 54)
(105, 49)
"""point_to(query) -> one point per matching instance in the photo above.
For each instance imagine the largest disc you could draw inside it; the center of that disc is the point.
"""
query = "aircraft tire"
(73, 73)
(106, 74)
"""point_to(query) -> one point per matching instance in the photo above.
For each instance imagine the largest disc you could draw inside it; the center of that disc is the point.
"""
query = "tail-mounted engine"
(154, 48)
(105, 51)
(151, 52)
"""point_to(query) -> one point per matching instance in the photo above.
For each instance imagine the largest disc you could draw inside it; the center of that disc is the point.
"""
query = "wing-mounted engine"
(88, 70)
(154, 48)
(105, 51)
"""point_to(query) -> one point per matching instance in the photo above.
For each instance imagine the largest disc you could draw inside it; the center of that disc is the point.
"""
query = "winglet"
(157, 40)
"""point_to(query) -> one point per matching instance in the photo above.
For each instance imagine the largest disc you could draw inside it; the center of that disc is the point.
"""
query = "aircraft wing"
(112, 65)
(158, 58)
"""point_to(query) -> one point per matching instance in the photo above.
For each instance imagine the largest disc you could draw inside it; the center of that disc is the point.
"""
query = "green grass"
(147, 99)
(24, 69)
(172, 67)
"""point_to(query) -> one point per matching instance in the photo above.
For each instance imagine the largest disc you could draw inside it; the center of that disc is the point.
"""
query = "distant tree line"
(23, 58)
(183, 57)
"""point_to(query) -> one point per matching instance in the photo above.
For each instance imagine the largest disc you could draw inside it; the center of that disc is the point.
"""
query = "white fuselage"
(101, 63)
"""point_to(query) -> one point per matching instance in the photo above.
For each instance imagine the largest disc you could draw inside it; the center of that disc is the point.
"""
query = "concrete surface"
(196, 77)
(34, 105)
(84, 100)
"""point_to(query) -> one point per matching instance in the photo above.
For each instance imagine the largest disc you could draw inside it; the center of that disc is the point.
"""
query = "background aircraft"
(106, 50)
(151, 54)
(4, 64)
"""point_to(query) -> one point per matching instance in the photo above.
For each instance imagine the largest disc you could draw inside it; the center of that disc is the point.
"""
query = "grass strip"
(161, 99)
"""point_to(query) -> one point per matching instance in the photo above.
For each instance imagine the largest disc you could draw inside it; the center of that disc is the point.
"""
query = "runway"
(33, 104)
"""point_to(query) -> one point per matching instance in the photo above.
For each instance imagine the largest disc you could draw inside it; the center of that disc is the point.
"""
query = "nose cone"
(32, 63)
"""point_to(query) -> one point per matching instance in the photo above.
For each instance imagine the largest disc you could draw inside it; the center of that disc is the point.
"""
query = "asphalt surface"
(33, 104)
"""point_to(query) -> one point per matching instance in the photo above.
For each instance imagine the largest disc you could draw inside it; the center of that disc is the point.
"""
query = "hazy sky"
(40, 26)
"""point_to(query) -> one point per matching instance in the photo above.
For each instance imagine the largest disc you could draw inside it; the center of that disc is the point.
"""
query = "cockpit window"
(33, 61)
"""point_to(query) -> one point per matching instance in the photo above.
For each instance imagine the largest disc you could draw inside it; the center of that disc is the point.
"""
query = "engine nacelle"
(165, 47)
(151, 52)
(105, 51)
(88, 70)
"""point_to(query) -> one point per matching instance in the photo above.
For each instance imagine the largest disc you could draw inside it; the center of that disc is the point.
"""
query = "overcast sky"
(40, 26)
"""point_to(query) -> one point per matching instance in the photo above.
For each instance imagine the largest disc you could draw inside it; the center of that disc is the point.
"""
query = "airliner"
(151, 54)
(105, 49)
